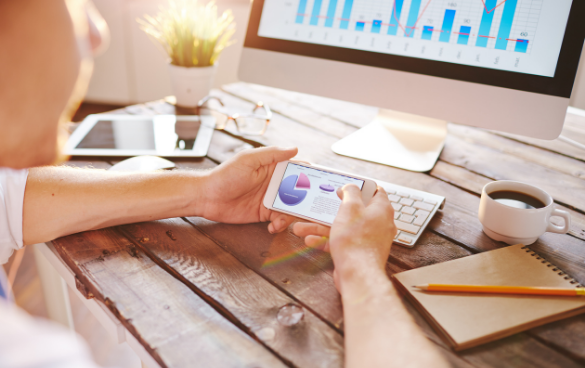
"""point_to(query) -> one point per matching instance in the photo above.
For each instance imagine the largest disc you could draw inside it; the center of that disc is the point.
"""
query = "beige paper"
(471, 319)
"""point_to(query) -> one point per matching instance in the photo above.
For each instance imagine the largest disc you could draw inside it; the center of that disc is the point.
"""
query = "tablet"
(135, 135)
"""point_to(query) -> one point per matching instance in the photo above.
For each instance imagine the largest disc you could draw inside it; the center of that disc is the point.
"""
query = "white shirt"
(27, 342)
(12, 185)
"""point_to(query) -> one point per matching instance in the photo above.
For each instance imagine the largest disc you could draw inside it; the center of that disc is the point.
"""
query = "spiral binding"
(555, 268)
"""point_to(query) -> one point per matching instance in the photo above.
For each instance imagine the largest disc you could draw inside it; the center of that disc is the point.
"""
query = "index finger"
(351, 194)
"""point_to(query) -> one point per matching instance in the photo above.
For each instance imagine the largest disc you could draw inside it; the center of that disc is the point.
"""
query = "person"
(46, 62)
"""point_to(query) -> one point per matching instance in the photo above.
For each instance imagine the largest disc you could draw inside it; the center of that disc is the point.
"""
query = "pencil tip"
(422, 287)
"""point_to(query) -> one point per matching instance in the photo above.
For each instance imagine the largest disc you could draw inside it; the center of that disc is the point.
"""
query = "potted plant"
(193, 36)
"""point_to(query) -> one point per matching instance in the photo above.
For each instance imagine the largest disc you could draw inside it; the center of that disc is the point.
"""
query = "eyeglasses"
(254, 123)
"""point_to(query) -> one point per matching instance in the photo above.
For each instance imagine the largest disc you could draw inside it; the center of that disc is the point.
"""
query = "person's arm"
(379, 332)
(59, 201)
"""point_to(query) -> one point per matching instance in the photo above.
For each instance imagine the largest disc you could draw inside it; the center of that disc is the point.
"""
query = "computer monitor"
(506, 65)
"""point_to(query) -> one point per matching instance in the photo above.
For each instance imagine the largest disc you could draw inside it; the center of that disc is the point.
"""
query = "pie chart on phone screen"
(293, 189)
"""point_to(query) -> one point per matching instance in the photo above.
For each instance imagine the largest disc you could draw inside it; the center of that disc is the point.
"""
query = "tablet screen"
(141, 135)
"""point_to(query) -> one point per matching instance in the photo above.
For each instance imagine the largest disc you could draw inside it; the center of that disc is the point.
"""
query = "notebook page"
(465, 316)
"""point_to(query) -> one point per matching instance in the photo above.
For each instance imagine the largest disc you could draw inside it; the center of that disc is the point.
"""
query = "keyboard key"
(413, 229)
(406, 218)
(431, 201)
(408, 210)
(396, 214)
(422, 206)
(406, 238)
(416, 198)
(403, 194)
(422, 213)
(396, 206)
(390, 191)
(394, 198)
(421, 217)
(406, 202)
(419, 221)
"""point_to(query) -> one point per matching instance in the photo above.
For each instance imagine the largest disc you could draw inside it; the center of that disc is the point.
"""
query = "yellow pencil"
(503, 289)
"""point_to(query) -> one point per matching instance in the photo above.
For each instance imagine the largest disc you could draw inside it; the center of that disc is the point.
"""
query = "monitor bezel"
(560, 85)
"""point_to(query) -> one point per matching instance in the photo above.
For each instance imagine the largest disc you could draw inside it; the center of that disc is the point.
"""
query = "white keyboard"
(413, 210)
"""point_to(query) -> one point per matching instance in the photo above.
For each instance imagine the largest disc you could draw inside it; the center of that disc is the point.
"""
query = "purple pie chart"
(287, 192)
(326, 187)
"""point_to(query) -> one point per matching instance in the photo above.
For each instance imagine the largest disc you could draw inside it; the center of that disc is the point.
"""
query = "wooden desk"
(198, 293)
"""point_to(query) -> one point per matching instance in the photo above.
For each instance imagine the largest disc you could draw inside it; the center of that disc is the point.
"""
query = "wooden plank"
(466, 151)
(464, 205)
(527, 153)
(474, 217)
(300, 106)
(253, 301)
(311, 283)
(174, 325)
(573, 129)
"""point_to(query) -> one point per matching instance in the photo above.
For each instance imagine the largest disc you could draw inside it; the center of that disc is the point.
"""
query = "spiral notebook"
(466, 320)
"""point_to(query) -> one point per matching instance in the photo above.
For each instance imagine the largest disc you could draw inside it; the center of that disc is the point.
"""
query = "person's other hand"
(235, 189)
(360, 238)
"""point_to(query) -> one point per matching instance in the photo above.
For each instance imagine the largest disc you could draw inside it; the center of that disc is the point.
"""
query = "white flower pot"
(191, 84)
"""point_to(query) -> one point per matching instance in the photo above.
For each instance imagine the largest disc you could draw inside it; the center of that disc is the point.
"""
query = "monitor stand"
(397, 139)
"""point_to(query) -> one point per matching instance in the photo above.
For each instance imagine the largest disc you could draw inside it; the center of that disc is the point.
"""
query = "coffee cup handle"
(560, 229)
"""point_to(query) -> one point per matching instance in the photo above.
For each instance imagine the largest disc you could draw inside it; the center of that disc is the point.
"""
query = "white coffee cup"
(518, 225)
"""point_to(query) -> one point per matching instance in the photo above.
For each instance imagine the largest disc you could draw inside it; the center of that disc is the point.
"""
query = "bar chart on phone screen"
(524, 36)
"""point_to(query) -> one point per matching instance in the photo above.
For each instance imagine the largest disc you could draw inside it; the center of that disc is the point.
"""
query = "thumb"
(350, 193)
(270, 155)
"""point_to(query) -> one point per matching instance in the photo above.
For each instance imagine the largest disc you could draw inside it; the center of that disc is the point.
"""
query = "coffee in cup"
(515, 212)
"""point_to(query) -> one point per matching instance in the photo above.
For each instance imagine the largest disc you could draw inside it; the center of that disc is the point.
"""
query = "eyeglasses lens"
(211, 107)
(250, 125)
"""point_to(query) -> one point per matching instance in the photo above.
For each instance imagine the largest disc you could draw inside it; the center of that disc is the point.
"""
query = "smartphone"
(310, 192)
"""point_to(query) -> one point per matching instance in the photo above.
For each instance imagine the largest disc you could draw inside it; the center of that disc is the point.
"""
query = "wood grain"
(175, 325)
(464, 218)
(573, 129)
(286, 270)
(248, 297)
(471, 154)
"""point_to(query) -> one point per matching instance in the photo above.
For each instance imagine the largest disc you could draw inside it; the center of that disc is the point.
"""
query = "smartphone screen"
(311, 192)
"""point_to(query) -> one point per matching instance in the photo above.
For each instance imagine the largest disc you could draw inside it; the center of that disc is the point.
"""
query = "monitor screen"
(523, 36)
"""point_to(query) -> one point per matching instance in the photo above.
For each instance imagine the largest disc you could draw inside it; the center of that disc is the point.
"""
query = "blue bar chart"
(315, 12)
(427, 33)
(523, 36)
(506, 24)
(521, 45)
(485, 26)
(344, 24)
(301, 12)
(376, 26)
(394, 17)
(464, 32)
(331, 13)
(412, 18)
(447, 25)
(488, 25)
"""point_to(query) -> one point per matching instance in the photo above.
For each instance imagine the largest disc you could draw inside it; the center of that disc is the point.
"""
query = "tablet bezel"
(202, 141)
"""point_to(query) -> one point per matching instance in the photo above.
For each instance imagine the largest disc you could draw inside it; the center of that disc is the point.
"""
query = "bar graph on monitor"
(498, 34)
(407, 17)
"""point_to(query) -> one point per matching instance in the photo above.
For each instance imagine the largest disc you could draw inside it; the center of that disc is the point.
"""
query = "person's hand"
(235, 189)
(360, 238)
